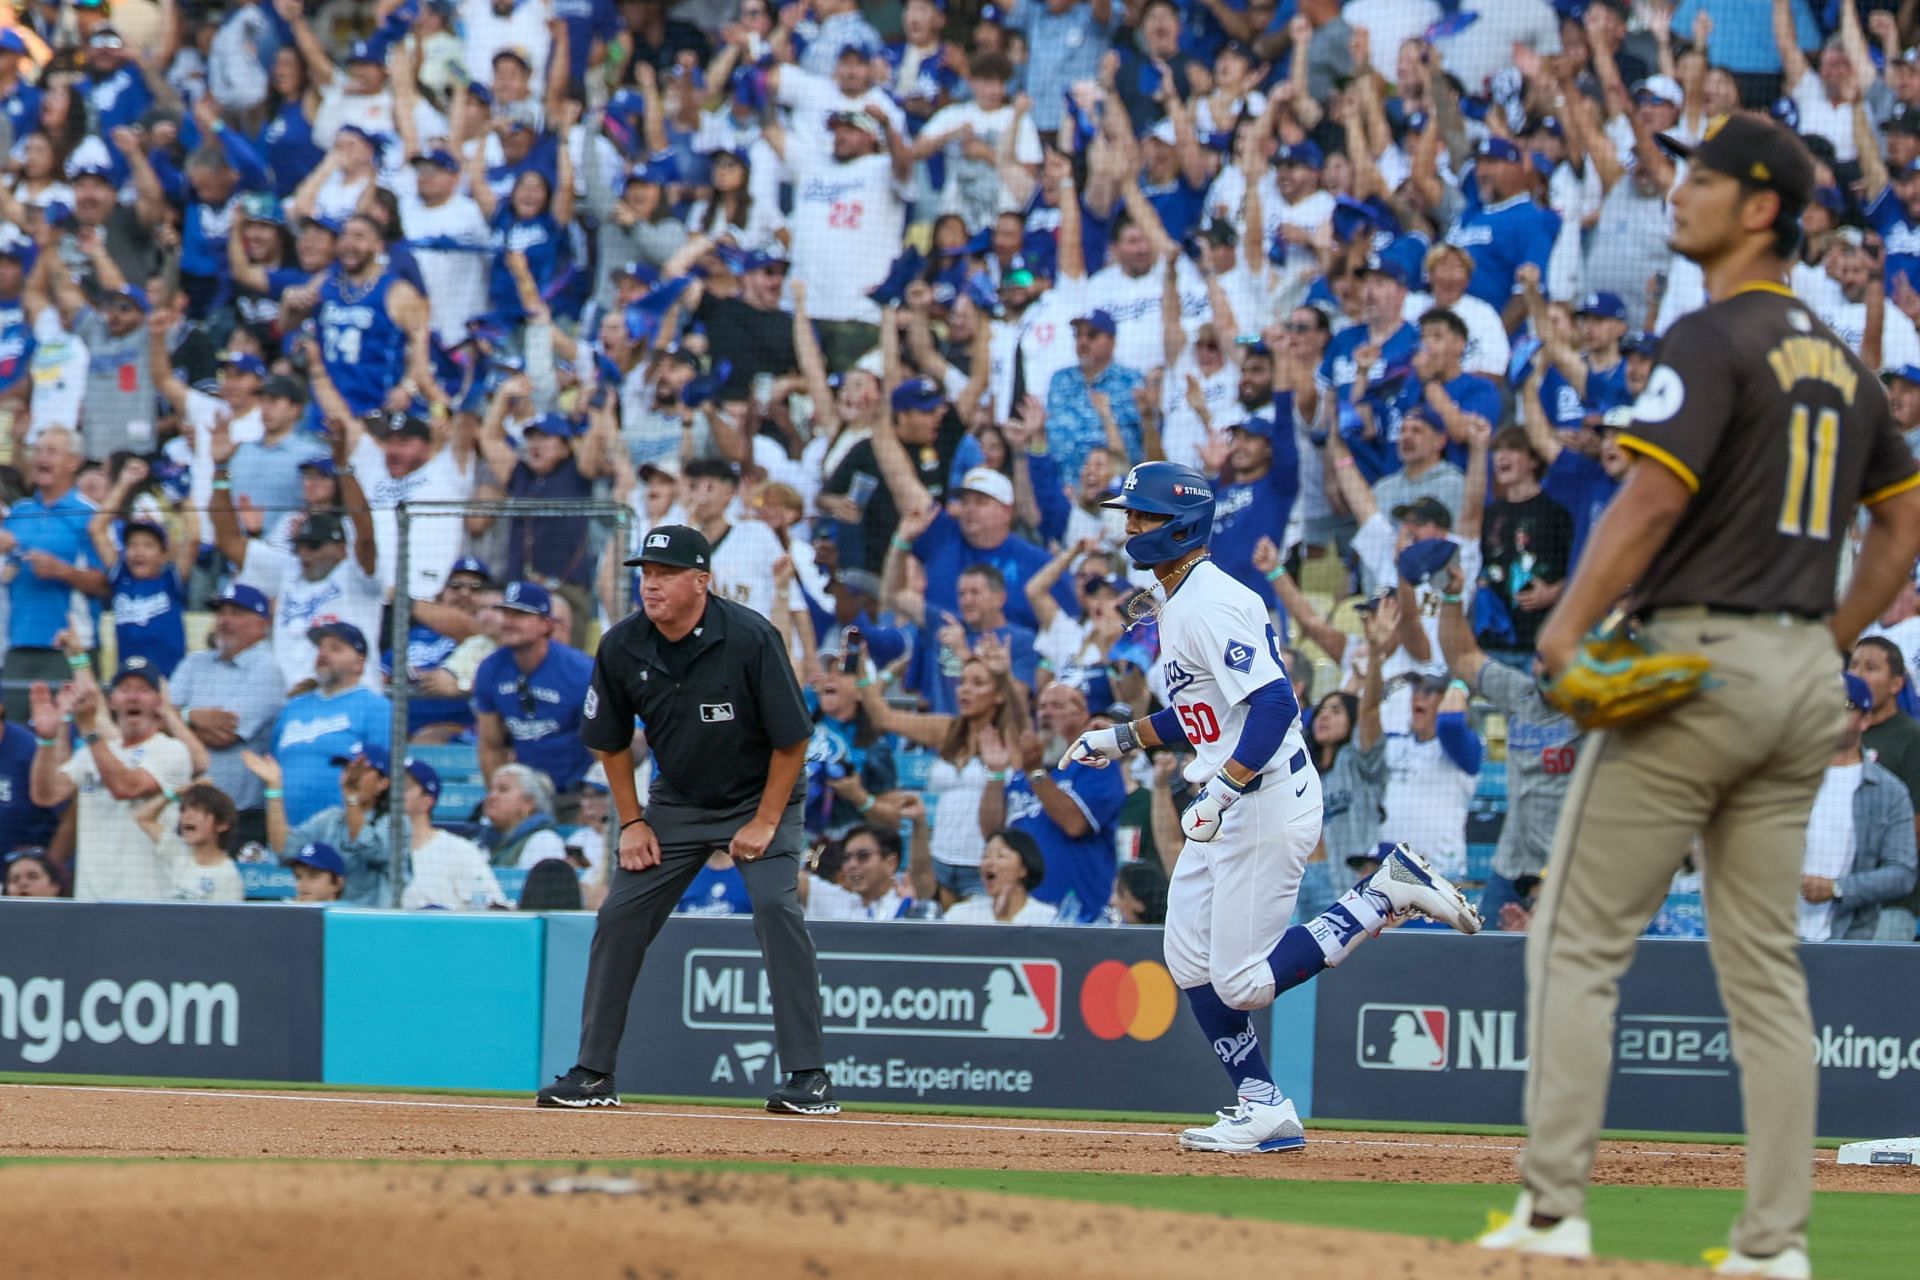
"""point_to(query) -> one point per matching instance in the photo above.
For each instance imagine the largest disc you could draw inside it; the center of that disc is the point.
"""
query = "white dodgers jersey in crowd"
(1217, 645)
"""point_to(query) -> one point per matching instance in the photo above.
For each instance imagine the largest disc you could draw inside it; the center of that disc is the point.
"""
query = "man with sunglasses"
(749, 331)
(528, 695)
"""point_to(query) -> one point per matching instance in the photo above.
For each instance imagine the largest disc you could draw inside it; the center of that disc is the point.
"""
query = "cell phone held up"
(851, 654)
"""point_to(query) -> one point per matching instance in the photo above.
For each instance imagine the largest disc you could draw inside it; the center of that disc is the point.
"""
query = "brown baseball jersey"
(1780, 432)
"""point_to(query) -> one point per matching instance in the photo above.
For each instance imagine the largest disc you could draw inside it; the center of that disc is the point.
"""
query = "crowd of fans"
(885, 299)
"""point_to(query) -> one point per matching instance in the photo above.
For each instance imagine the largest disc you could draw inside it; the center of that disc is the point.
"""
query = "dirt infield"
(82, 1121)
(241, 1222)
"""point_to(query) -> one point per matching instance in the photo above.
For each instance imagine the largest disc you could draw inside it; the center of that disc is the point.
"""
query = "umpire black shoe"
(806, 1093)
(579, 1089)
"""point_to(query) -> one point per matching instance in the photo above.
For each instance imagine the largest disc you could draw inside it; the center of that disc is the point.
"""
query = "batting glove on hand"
(1201, 821)
(1097, 746)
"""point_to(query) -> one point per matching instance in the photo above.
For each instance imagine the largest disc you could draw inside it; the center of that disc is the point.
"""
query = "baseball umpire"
(1757, 437)
(729, 729)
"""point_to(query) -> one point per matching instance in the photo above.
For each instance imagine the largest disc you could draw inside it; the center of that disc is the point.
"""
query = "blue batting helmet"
(1166, 489)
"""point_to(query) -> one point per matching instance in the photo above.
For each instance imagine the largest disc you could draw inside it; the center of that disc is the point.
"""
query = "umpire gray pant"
(639, 903)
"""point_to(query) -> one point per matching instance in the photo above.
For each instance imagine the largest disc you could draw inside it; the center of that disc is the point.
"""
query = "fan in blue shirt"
(1439, 383)
(23, 824)
(149, 599)
(945, 639)
(1507, 229)
(38, 532)
(981, 534)
(1388, 344)
(338, 720)
(1257, 502)
(1895, 213)
(1069, 812)
(530, 693)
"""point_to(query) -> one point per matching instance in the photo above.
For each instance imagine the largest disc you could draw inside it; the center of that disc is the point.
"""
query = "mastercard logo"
(1137, 1000)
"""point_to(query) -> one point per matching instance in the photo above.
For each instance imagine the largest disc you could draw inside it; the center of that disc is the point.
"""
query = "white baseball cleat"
(1249, 1128)
(1567, 1238)
(1405, 880)
(1788, 1264)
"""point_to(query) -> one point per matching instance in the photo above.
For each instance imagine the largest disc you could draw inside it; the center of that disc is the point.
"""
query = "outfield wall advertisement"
(985, 1017)
(1431, 1026)
(211, 992)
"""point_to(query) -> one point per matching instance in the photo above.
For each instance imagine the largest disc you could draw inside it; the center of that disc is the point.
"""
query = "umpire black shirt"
(716, 705)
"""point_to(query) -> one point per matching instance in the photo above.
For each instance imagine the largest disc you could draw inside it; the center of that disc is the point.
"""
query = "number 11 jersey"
(1779, 432)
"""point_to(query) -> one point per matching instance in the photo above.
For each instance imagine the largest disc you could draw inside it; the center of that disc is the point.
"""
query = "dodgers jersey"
(1217, 645)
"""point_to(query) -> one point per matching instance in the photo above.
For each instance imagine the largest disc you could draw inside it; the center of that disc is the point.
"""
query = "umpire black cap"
(676, 546)
(1758, 152)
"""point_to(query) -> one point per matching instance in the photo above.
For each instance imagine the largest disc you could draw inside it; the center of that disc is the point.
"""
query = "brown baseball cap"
(1761, 153)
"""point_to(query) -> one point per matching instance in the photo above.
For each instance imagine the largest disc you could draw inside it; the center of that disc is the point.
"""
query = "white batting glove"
(1096, 747)
(1201, 821)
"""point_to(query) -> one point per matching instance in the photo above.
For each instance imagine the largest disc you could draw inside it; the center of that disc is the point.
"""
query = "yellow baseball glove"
(1614, 680)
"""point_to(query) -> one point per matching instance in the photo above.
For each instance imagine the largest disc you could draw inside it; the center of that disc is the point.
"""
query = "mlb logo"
(716, 712)
(1403, 1037)
(658, 540)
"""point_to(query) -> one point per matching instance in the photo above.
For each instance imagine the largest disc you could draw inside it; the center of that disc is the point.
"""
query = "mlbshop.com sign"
(1084, 1018)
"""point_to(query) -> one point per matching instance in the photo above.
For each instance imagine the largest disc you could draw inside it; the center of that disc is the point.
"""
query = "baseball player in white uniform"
(1256, 817)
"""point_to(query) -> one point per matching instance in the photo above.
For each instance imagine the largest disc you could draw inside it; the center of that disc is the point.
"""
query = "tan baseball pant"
(1739, 765)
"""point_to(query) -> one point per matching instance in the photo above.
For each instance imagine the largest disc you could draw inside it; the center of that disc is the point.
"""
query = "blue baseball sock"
(1327, 939)
(1230, 1032)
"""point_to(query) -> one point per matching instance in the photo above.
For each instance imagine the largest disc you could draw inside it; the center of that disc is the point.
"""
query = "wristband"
(169, 796)
(1449, 599)
(899, 543)
(862, 683)
(45, 744)
(1273, 574)
(1126, 738)
(1238, 788)
(886, 675)
(88, 739)
(76, 661)
(631, 822)
(866, 806)
(222, 486)
(997, 775)
(272, 793)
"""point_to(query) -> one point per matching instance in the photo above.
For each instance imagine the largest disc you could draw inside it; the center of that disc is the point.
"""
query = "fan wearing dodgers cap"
(1367, 353)
(1503, 229)
(1256, 818)
(108, 779)
(329, 720)
(148, 585)
(450, 238)
(712, 682)
(1254, 495)
(863, 491)
(527, 697)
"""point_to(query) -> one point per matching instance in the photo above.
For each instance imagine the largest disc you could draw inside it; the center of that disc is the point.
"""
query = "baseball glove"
(1614, 680)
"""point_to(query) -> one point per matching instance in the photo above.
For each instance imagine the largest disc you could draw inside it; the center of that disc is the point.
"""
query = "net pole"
(399, 625)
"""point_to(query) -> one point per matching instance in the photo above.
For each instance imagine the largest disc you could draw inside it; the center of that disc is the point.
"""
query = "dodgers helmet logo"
(1239, 656)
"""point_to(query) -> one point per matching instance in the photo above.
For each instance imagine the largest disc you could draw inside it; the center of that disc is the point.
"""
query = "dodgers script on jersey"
(1216, 647)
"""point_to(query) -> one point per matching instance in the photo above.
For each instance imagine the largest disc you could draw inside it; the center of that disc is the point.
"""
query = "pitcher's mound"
(243, 1221)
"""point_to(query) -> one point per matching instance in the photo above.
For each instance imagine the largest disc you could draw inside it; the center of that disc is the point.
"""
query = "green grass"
(1327, 1124)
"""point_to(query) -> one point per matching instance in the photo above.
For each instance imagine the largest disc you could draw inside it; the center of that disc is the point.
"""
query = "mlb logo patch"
(1239, 656)
(1403, 1037)
(716, 712)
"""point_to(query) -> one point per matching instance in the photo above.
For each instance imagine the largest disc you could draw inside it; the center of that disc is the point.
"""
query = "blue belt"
(1294, 766)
